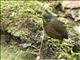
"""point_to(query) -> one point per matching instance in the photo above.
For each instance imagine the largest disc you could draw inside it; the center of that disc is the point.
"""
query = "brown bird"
(53, 27)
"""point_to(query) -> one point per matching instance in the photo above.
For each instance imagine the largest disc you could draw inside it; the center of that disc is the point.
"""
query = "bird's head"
(48, 17)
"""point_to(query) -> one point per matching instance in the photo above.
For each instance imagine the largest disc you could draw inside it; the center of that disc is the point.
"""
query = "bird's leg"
(61, 41)
(39, 57)
(43, 37)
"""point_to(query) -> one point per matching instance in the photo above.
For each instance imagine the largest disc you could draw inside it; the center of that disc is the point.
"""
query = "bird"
(53, 27)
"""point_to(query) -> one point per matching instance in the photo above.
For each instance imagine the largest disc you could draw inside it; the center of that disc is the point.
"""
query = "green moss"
(14, 53)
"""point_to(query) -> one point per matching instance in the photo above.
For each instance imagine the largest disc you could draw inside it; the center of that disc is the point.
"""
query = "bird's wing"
(50, 31)
(60, 28)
